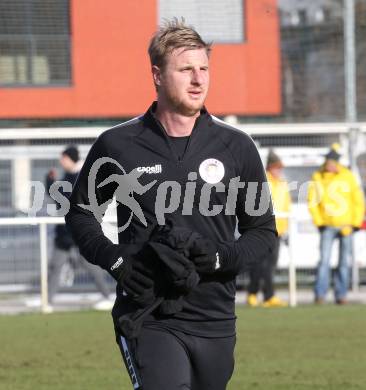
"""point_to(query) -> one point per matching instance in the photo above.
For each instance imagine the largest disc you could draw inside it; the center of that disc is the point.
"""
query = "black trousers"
(161, 359)
(261, 275)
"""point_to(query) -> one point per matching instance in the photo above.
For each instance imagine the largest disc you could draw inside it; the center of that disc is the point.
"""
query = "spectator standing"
(336, 204)
(64, 246)
(261, 275)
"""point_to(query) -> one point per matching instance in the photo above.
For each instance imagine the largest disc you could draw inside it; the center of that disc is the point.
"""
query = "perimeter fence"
(26, 238)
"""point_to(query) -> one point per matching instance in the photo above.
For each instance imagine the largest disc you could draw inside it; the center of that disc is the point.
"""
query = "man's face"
(183, 83)
(275, 171)
(67, 163)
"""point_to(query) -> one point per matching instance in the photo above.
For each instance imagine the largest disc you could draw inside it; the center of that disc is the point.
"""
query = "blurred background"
(290, 73)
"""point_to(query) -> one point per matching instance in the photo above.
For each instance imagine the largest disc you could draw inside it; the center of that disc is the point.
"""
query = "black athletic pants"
(261, 275)
(161, 359)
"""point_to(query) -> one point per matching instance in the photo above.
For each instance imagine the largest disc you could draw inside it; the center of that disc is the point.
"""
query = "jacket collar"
(151, 121)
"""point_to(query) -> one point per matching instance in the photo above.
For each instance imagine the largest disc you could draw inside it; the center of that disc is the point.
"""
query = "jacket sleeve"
(88, 203)
(358, 202)
(314, 199)
(256, 221)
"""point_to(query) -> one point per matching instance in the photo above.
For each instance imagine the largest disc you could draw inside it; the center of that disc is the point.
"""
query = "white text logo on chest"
(157, 168)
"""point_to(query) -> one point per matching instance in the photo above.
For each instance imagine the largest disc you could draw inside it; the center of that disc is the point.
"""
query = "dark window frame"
(32, 43)
(6, 192)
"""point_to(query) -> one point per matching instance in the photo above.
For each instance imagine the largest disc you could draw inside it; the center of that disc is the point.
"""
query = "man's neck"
(175, 124)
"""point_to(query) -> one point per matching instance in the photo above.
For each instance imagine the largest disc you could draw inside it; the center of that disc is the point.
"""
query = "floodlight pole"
(349, 29)
(350, 60)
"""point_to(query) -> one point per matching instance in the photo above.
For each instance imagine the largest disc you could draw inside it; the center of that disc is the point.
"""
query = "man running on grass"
(175, 268)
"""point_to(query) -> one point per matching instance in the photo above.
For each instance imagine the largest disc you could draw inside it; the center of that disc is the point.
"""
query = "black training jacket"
(214, 150)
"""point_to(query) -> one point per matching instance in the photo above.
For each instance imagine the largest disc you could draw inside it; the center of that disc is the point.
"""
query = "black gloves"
(179, 276)
(136, 275)
(178, 270)
(204, 254)
(202, 251)
(174, 276)
(178, 238)
(163, 272)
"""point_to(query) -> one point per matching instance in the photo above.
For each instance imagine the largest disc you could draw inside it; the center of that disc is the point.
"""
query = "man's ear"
(156, 72)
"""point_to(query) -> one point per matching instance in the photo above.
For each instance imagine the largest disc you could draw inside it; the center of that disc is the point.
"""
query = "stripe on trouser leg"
(136, 383)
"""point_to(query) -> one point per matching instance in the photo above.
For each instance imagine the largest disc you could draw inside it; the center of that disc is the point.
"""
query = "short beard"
(182, 109)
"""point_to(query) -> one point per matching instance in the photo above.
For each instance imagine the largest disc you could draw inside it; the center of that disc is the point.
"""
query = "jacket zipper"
(172, 151)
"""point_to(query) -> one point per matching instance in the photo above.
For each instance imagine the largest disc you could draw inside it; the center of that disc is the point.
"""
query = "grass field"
(289, 349)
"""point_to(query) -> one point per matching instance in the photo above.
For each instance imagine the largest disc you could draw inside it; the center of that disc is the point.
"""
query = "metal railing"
(43, 222)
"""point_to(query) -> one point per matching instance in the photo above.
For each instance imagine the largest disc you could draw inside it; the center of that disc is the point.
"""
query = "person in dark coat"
(64, 246)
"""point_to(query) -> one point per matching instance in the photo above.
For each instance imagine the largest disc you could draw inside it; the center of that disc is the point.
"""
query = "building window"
(5, 184)
(215, 20)
(34, 43)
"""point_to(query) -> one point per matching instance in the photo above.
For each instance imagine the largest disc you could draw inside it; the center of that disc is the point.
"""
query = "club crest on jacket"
(211, 170)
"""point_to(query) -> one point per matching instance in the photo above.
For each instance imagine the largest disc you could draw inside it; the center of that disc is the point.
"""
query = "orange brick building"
(110, 73)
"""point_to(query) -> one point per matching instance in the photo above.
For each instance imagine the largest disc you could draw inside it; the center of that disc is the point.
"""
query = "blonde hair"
(174, 34)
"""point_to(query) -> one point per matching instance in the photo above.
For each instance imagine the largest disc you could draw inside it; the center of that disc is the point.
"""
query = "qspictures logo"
(253, 198)
(127, 186)
(171, 194)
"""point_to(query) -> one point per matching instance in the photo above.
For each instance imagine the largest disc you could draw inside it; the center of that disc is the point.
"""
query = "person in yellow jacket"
(336, 204)
(263, 272)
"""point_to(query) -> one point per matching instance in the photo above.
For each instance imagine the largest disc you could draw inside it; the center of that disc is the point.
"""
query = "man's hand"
(136, 275)
(175, 237)
(346, 230)
(52, 174)
(202, 251)
(178, 270)
(204, 254)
